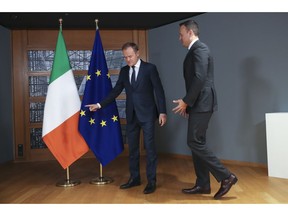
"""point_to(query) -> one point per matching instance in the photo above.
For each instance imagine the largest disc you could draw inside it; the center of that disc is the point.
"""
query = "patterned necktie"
(133, 78)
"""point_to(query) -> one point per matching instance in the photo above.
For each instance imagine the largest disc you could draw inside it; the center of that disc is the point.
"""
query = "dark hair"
(132, 45)
(191, 25)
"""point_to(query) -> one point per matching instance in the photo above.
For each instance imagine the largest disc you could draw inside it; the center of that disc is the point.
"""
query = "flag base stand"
(68, 182)
(101, 180)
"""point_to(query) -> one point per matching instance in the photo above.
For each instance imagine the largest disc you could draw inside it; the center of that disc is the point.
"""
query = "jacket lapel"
(194, 46)
(140, 74)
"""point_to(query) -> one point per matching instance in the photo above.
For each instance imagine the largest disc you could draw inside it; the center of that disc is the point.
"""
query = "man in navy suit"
(145, 102)
(199, 103)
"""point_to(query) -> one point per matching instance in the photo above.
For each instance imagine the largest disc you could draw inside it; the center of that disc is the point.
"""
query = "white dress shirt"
(137, 66)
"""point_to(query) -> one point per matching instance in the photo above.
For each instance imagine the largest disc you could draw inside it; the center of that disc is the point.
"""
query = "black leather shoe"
(226, 184)
(130, 183)
(197, 190)
(150, 188)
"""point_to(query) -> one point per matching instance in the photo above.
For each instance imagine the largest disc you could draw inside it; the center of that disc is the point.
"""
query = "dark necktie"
(133, 78)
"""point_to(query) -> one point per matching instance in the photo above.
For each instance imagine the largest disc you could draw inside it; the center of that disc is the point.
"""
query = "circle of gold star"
(114, 118)
(98, 73)
(103, 123)
(82, 113)
(92, 121)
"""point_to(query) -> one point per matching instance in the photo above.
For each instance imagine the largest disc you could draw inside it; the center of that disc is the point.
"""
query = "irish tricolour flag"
(61, 113)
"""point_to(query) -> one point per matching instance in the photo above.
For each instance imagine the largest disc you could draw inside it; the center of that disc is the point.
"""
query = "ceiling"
(117, 20)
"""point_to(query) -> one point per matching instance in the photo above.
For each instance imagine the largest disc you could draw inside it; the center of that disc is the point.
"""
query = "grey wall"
(251, 78)
(6, 135)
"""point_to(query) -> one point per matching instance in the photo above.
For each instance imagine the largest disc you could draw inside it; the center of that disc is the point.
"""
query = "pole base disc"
(68, 183)
(101, 180)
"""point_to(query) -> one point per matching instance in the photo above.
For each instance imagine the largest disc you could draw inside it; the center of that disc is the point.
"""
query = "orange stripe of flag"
(65, 142)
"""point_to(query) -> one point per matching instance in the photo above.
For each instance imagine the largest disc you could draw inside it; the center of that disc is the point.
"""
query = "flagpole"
(101, 179)
(68, 182)
(96, 22)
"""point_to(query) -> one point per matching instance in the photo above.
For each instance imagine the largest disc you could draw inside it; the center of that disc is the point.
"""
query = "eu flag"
(101, 129)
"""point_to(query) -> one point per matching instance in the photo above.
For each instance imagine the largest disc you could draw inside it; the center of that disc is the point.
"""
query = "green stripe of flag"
(61, 62)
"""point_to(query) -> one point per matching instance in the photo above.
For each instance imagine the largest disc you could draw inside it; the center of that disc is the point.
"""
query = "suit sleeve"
(197, 62)
(159, 91)
(119, 86)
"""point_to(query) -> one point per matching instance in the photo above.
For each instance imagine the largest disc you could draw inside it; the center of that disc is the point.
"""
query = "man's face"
(130, 56)
(185, 36)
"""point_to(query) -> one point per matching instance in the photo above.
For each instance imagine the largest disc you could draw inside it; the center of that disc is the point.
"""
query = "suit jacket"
(199, 79)
(147, 99)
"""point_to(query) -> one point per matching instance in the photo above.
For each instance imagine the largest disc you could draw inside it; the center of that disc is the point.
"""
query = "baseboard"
(228, 162)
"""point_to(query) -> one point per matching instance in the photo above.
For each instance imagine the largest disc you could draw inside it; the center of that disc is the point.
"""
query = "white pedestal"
(277, 144)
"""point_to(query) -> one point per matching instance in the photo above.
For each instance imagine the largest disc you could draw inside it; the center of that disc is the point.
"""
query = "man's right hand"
(92, 107)
(180, 108)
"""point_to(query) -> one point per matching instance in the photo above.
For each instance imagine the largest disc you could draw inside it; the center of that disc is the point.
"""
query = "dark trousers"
(204, 160)
(133, 135)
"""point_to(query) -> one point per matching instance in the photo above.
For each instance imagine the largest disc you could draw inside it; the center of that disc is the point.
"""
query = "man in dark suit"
(198, 104)
(142, 85)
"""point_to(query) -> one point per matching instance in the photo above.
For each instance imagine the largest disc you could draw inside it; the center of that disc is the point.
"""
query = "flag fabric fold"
(61, 112)
(100, 129)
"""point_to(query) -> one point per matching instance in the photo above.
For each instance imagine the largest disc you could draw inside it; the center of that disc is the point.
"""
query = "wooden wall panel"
(77, 39)
(18, 45)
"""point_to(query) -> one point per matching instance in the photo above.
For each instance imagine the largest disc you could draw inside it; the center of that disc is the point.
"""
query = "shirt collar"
(192, 42)
(137, 65)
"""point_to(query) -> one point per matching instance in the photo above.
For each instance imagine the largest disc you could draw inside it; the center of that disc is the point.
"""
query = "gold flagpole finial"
(96, 21)
(60, 22)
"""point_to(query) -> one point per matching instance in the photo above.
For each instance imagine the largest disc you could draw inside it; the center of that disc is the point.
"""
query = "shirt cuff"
(99, 105)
